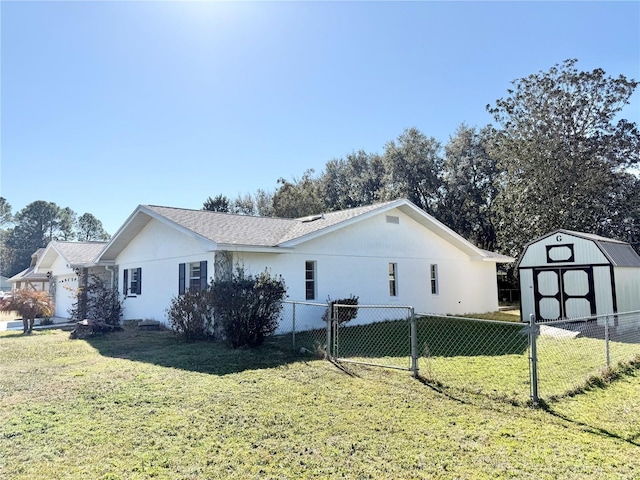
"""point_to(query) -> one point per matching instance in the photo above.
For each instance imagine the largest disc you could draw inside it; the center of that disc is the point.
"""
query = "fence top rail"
(515, 323)
(586, 318)
(404, 307)
(299, 302)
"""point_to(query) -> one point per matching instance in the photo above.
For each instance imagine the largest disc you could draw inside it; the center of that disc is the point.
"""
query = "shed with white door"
(567, 274)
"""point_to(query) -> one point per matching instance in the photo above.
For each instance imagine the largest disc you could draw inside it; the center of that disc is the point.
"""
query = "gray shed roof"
(619, 253)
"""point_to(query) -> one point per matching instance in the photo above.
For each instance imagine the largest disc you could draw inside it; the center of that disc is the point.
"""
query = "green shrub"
(97, 301)
(345, 314)
(247, 308)
(191, 316)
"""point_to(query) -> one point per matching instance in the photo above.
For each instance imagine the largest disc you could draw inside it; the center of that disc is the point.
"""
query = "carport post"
(533, 333)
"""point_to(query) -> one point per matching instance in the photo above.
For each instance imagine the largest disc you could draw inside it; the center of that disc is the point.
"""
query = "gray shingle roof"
(225, 228)
(77, 253)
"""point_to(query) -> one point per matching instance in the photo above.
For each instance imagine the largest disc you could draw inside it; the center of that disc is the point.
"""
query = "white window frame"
(393, 279)
(310, 279)
(433, 276)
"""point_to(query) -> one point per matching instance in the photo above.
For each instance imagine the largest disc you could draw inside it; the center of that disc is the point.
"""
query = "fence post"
(414, 343)
(606, 339)
(293, 332)
(533, 333)
(327, 352)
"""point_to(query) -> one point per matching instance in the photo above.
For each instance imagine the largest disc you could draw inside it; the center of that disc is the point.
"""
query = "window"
(132, 281)
(192, 276)
(310, 280)
(393, 277)
(434, 279)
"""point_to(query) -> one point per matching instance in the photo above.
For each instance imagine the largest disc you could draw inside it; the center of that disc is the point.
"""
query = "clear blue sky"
(107, 105)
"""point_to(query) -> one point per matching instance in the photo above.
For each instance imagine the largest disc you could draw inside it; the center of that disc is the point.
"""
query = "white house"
(60, 268)
(389, 253)
(566, 274)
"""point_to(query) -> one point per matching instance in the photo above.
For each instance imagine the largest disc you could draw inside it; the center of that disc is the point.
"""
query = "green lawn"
(140, 405)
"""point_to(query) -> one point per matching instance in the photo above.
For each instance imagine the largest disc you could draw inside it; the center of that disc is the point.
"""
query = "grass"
(140, 405)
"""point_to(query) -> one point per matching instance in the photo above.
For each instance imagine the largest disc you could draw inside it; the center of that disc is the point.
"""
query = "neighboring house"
(5, 285)
(30, 278)
(566, 274)
(389, 253)
(63, 267)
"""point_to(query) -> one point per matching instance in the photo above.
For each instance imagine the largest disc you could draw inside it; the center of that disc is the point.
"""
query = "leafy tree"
(30, 304)
(89, 228)
(560, 153)
(35, 226)
(299, 198)
(353, 181)
(219, 203)
(247, 308)
(465, 199)
(412, 163)
(5, 212)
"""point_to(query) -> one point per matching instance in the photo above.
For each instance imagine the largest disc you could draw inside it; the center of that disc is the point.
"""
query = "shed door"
(565, 292)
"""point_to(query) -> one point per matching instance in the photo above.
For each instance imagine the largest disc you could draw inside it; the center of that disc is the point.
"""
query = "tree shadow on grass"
(165, 349)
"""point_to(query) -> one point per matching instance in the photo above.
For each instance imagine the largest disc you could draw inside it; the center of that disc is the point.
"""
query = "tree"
(30, 304)
(5, 212)
(35, 226)
(412, 165)
(353, 181)
(299, 198)
(89, 228)
(560, 153)
(465, 199)
(218, 204)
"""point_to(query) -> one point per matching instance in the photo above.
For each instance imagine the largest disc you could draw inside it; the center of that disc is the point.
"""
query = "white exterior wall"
(627, 288)
(158, 250)
(355, 260)
(585, 251)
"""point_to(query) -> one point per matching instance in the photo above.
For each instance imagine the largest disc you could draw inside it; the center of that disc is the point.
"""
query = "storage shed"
(567, 274)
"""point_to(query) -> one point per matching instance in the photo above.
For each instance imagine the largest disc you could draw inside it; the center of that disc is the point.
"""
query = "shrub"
(101, 302)
(29, 304)
(344, 314)
(247, 308)
(190, 315)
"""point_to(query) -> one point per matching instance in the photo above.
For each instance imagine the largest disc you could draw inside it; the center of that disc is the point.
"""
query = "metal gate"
(375, 335)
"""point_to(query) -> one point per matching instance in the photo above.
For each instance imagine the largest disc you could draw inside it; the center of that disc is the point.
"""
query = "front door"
(564, 292)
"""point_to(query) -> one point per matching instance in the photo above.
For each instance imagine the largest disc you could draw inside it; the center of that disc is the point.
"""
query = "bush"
(190, 316)
(247, 308)
(345, 314)
(101, 302)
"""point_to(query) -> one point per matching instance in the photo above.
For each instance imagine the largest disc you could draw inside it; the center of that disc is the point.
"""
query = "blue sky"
(107, 105)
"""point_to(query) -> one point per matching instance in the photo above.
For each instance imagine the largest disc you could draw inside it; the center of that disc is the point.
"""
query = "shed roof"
(619, 253)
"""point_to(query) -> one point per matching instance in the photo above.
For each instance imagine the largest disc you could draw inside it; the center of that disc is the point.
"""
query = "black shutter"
(203, 275)
(181, 277)
(139, 289)
(125, 282)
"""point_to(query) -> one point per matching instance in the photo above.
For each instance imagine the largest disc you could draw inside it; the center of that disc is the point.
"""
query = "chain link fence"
(570, 355)
(475, 355)
(377, 335)
(514, 361)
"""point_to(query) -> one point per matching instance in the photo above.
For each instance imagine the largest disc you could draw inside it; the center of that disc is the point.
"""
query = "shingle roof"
(225, 228)
(77, 253)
